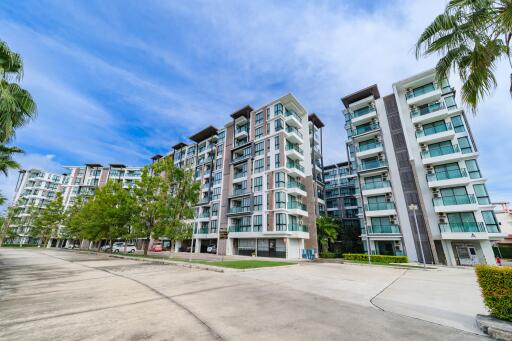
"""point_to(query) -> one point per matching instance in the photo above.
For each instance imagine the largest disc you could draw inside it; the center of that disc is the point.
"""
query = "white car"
(211, 249)
(122, 248)
(106, 247)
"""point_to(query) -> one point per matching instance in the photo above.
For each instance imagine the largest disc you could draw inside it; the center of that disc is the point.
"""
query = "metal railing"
(377, 184)
(296, 205)
(424, 89)
(294, 130)
(449, 174)
(462, 227)
(445, 150)
(379, 206)
(434, 130)
(384, 229)
(289, 113)
(464, 199)
(297, 227)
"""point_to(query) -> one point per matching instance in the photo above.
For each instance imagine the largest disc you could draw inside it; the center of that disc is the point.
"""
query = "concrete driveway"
(49, 294)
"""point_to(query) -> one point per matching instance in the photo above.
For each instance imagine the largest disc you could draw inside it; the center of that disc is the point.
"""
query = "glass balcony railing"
(297, 227)
(450, 174)
(295, 147)
(445, 150)
(294, 130)
(202, 230)
(425, 89)
(240, 191)
(377, 184)
(434, 130)
(239, 209)
(239, 228)
(242, 129)
(384, 229)
(432, 107)
(291, 113)
(369, 146)
(241, 142)
(379, 206)
(239, 175)
(363, 129)
(204, 200)
(492, 228)
(462, 227)
(464, 199)
(295, 165)
(372, 165)
(204, 215)
(240, 157)
(295, 184)
(359, 112)
(295, 205)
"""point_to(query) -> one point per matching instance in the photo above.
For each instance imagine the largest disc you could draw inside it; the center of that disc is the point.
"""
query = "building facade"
(415, 147)
(258, 192)
(34, 189)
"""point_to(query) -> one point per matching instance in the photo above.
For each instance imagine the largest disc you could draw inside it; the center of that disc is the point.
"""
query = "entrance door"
(463, 252)
(272, 248)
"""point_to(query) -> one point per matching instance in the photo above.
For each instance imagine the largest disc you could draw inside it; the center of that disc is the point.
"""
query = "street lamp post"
(414, 208)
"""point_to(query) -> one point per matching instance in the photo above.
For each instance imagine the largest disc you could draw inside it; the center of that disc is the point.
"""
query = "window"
(457, 123)
(217, 177)
(257, 223)
(258, 184)
(213, 226)
(280, 222)
(258, 166)
(368, 144)
(221, 135)
(450, 102)
(259, 148)
(215, 210)
(462, 222)
(259, 117)
(481, 194)
(280, 179)
(220, 149)
(268, 162)
(454, 196)
(277, 160)
(280, 199)
(259, 132)
(490, 222)
(440, 148)
(216, 193)
(447, 171)
(278, 125)
(473, 170)
(276, 143)
(464, 145)
(278, 109)
(434, 127)
(258, 201)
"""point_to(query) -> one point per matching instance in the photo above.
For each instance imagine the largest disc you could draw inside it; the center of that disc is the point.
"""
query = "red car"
(156, 248)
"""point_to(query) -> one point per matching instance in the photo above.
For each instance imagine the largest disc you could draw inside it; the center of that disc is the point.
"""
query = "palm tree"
(327, 230)
(6, 158)
(17, 107)
(471, 36)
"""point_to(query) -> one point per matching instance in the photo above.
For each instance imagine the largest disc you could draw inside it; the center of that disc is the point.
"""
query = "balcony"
(239, 210)
(295, 169)
(204, 200)
(365, 130)
(294, 135)
(294, 227)
(241, 157)
(239, 229)
(455, 203)
(373, 188)
(240, 192)
(380, 209)
(202, 230)
(384, 229)
(294, 152)
(239, 176)
(435, 134)
(448, 178)
(462, 227)
(295, 205)
(367, 166)
(242, 131)
(295, 187)
(423, 94)
(367, 150)
(241, 142)
(292, 118)
(362, 115)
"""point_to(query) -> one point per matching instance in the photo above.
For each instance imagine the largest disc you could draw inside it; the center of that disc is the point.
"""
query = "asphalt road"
(65, 295)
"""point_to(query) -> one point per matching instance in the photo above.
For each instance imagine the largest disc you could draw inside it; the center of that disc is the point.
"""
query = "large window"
(213, 226)
(455, 196)
(490, 222)
(462, 222)
(447, 171)
(216, 193)
(458, 124)
(473, 170)
(277, 160)
(259, 148)
(278, 125)
(258, 184)
(434, 127)
(259, 132)
(259, 117)
(257, 202)
(278, 109)
(280, 222)
(440, 148)
(259, 165)
(280, 199)
(257, 223)
(465, 145)
(276, 142)
(481, 194)
(280, 179)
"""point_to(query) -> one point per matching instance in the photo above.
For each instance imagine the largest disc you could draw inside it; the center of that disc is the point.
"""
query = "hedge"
(329, 254)
(375, 258)
(496, 285)
(18, 245)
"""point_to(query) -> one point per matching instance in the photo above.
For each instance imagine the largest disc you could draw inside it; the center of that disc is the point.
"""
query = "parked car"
(156, 248)
(106, 247)
(121, 248)
(211, 249)
(73, 246)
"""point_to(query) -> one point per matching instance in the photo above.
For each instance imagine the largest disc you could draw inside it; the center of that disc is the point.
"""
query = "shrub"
(329, 254)
(496, 285)
(18, 245)
(375, 258)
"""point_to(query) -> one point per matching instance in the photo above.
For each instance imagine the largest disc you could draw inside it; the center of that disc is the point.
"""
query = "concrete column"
(448, 251)
(488, 252)
(197, 246)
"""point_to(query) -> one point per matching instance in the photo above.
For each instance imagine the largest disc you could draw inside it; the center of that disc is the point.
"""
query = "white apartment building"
(415, 147)
(258, 195)
(34, 188)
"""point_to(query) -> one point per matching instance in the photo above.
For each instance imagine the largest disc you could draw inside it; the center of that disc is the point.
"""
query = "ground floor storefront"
(466, 252)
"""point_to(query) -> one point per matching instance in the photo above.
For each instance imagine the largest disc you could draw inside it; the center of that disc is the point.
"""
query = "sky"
(119, 81)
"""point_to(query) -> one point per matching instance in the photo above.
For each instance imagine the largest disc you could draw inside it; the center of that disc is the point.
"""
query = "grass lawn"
(401, 265)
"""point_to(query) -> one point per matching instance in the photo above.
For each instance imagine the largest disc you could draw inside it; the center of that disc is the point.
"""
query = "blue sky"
(118, 81)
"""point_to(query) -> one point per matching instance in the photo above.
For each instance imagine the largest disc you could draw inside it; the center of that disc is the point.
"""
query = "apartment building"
(35, 188)
(342, 193)
(258, 193)
(317, 160)
(83, 180)
(415, 147)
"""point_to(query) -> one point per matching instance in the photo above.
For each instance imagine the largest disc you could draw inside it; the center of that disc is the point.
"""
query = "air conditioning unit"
(393, 220)
(436, 193)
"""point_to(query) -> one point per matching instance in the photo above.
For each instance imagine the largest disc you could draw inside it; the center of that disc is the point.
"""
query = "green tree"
(164, 197)
(6, 158)
(8, 227)
(327, 230)
(17, 107)
(46, 221)
(75, 221)
(471, 36)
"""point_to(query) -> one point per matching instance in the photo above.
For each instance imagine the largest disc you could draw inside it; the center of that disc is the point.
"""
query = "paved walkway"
(49, 294)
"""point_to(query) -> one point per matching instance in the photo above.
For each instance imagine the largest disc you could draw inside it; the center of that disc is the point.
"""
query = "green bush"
(18, 245)
(375, 258)
(496, 285)
(329, 254)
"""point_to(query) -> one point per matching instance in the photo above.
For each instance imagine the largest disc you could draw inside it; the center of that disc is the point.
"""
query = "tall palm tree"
(6, 158)
(471, 36)
(17, 107)
(327, 230)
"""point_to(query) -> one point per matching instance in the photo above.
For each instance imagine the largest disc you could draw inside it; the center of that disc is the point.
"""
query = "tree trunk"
(146, 247)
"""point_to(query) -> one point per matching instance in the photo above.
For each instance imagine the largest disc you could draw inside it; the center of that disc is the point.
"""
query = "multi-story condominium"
(83, 180)
(317, 160)
(258, 194)
(34, 190)
(342, 193)
(414, 147)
